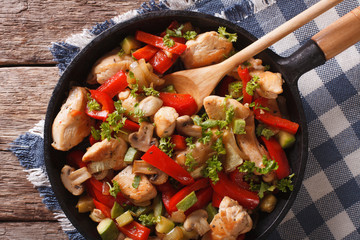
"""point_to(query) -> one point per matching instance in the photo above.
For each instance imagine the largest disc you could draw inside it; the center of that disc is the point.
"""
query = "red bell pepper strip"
(107, 105)
(184, 104)
(104, 209)
(226, 187)
(167, 191)
(156, 41)
(223, 88)
(276, 122)
(114, 85)
(160, 160)
(238, 178)
(199, 184)
(161, 62)
(277, 153)
(179, 141)
(245, 77)
(136, 231)
(146, 52)
(95, 184)
(130, 125)
(203, 198)
(74, 159)
(216, 199)
(92, 140)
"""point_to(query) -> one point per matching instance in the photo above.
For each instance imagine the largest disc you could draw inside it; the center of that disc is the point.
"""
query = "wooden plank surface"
(27, 78)
(31, 231)
(29, 26)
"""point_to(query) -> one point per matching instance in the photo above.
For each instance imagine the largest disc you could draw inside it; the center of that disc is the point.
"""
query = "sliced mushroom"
(156, 177)
(73, 180)
(97, 215)
(234, 156)
(185, 126)
(215, 108)
(164, 120)
(101, 175)
(143, 139)
(197, 221)
(150, 105)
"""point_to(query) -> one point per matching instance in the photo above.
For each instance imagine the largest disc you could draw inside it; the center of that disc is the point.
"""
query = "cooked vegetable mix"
(154, 166)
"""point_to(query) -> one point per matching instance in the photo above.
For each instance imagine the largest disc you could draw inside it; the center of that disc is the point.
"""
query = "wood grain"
(31, 231)
(24, 95)
(29, 26)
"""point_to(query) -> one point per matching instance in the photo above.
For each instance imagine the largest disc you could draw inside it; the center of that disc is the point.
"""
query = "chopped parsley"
(167, 146)
(190, 162)
(92, 104)
(136, 181)
(252, 85)
(114, 189)
(285, 184)
(168, 41)
(266, 67)
(235, 87)
(189, 142)
(249, 167)
(177, 32)
(137, 111)
(261, 130)
(258, 106)
(231, 37)
(219, 147)
(190, 35)
(151, 91)
(121, 53)
(148, 220)
(105, 131)
(95, 133)
(206, 136)
(213, 166)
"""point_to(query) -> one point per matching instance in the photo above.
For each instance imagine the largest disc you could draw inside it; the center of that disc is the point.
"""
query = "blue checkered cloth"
(328, 204)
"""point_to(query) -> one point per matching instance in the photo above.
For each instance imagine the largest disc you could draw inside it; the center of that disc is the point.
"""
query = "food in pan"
(150, 166)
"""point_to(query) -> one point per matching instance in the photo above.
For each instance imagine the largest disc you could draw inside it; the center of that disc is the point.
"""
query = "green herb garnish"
(231, 37)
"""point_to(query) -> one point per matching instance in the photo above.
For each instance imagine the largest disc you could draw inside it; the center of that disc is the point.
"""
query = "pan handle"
(324, 45)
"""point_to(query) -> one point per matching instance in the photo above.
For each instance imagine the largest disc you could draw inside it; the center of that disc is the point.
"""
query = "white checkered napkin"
(328, 204)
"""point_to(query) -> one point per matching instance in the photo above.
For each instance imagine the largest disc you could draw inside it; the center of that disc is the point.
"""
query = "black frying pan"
(306, 58)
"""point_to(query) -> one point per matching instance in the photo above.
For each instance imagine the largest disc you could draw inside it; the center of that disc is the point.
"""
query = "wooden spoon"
(200, 82)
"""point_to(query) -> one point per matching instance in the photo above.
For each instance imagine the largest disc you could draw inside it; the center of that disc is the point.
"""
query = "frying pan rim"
(64, 79)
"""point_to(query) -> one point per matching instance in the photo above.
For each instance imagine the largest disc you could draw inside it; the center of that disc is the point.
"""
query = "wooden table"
(27, 78)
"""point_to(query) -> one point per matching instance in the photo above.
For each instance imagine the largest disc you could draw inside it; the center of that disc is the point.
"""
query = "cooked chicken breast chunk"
(270, 84)
(206, 49)
(231, 221)
(143, 193)
(108, 65)
(214, 107)
(71, 124)
(108, 150)
(165, 121)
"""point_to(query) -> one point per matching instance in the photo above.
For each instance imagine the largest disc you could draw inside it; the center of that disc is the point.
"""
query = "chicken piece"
(270, 84)
(143, 193)
(234, 156)
(249, 144)
(71, 124)
(231, 221)
(214, 107)
(201, 153)
(112, 150)
(129, 106)
(206, 49)
(108, 65)
(165, 119)
(150, 105)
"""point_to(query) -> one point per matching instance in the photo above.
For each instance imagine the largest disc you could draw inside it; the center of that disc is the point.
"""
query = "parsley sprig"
(114, 189)
(177, 32)
(231, 37)
(92, 104)
(252, 85)
(167, 146)
(151, 92)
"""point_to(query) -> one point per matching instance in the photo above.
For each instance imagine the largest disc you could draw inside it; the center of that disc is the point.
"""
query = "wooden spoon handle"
(279, 33)
(340, 35)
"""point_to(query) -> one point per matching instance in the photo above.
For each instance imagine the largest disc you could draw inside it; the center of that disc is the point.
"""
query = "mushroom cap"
(197, 220)
(68, 182)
